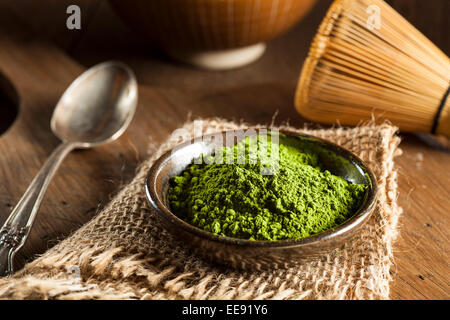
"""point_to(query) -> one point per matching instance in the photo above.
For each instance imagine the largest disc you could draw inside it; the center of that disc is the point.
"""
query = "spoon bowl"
(97, 107)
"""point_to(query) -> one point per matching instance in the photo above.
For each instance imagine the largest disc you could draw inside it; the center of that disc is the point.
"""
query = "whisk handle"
(437, 117)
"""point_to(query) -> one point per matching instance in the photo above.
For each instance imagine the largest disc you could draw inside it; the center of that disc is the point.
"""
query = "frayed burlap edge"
(124, 253)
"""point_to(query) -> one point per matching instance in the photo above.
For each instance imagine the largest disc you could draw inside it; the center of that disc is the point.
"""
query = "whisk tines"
(367, 60)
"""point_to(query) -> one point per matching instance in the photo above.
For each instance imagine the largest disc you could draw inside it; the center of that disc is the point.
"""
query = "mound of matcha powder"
(234, 199)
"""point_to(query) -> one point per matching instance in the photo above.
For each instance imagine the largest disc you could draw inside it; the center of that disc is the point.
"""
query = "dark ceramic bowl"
(259, 255)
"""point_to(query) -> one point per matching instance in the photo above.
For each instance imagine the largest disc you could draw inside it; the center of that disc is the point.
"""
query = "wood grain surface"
(40, 57)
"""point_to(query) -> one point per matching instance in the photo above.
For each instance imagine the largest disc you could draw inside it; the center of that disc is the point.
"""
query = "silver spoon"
(96, 109)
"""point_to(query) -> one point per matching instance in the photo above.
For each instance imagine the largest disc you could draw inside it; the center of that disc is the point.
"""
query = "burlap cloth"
(124, 252)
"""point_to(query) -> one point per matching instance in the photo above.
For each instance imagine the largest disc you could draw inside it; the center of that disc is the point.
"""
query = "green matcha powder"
(234, 199)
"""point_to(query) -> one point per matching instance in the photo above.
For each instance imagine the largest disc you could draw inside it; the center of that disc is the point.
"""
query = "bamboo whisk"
(357, 70)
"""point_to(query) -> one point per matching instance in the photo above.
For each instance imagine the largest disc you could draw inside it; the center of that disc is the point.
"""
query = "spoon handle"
(16, 228)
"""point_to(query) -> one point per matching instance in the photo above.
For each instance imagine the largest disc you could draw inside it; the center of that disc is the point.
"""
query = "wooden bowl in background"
(213, 34)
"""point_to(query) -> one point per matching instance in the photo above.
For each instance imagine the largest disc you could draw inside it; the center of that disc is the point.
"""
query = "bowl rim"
(355, 222)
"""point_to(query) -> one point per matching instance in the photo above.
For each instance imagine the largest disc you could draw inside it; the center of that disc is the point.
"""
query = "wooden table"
(171, 93)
